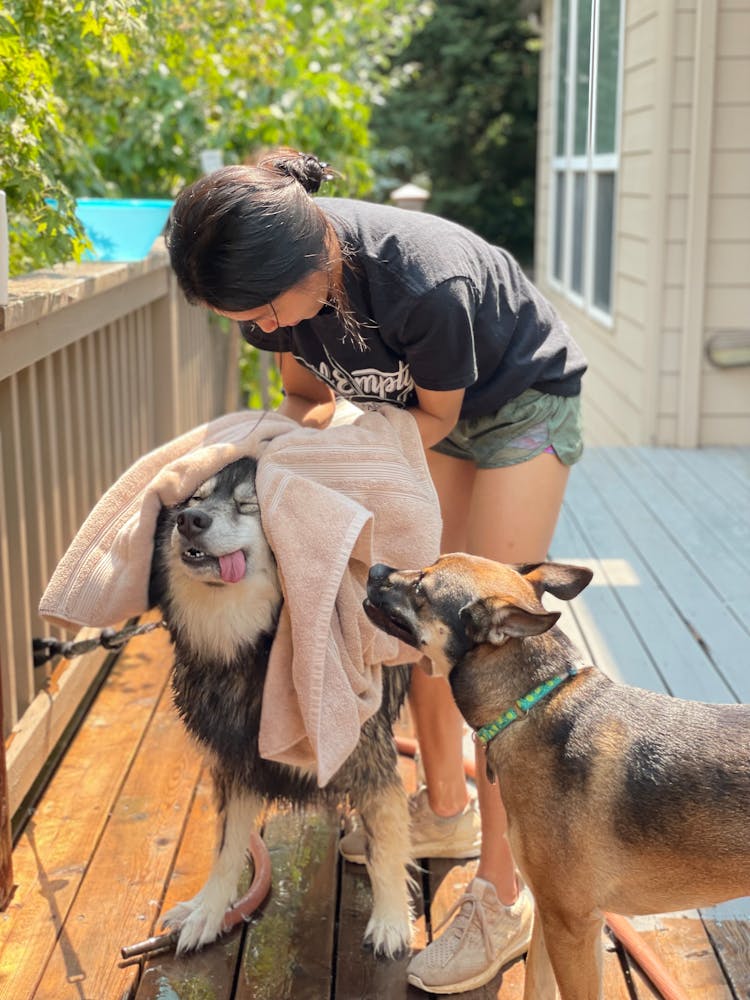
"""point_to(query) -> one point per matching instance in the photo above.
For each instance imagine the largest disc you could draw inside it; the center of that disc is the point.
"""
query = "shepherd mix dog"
(214, 577)
(619, 800)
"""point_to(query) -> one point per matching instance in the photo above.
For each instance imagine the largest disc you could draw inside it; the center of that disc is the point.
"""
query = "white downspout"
(696, 237)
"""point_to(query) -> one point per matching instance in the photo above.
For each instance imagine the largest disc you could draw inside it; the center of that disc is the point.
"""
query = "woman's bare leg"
(513, 515)
(437, 721)
(506, 514)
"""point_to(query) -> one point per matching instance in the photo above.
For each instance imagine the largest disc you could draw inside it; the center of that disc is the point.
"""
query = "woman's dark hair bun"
(305, 168)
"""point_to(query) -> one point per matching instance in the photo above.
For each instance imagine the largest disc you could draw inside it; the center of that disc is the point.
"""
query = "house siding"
(619, 354)
(682, 228)
(725, 396)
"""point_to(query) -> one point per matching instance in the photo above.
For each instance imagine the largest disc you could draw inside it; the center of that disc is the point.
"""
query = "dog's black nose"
(192, 522)
(379, 572)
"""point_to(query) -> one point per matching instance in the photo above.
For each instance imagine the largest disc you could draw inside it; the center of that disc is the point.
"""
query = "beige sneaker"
(432, 836)
(484, 936)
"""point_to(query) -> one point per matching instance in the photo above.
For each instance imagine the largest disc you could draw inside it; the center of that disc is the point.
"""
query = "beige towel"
(332, 502)
(103, 577)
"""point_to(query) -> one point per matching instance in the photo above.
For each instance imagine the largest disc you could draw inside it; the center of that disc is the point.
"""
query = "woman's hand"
(437, 413)
(308, 400)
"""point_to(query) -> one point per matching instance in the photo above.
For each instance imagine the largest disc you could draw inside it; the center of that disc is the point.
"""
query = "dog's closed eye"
(247, 506)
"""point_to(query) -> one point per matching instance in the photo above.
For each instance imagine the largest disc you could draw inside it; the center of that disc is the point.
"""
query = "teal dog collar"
(521, 707)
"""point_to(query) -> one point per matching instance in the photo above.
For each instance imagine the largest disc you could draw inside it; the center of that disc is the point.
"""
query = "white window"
(585, 157)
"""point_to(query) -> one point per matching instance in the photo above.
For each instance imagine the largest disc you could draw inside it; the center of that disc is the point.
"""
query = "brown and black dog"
(618, 799)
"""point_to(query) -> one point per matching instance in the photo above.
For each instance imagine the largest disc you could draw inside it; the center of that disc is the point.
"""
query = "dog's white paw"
(198, 921)
(179, 913)
(388, 938)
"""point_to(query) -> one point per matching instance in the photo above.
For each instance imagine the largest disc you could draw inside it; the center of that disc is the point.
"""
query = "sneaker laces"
(462, 923)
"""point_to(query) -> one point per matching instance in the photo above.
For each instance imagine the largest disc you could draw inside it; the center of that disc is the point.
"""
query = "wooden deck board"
(129, 868)
(700, 530)
(682, 944)
(691, 592)
(711, 485)
(728, 927)
(645, 601)
(358, 973)
(611, 639)
(712, 495)
(289, 947)
(211, 972)
(126, 825)
(55, 849)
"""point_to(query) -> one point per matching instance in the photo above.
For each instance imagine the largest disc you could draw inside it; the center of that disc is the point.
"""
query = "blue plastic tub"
(121, 228)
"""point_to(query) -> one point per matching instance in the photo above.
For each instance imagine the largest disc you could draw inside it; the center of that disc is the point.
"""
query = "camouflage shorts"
(528, 425)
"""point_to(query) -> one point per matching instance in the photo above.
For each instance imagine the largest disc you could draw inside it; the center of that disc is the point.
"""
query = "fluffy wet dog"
(619, 800)
(214, 577)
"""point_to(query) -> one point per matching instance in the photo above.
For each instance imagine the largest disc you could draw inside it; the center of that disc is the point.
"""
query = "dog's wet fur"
(619, 800)
(214, 578)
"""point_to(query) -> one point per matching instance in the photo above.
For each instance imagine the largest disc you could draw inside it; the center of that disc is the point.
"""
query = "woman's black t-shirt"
(437, 307)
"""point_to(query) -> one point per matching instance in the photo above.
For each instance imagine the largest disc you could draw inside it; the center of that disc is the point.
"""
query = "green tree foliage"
(43, 42)
(117, 98)
(466, 118)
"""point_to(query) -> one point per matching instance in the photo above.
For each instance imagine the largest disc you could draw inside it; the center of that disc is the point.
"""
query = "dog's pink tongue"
(232, 567)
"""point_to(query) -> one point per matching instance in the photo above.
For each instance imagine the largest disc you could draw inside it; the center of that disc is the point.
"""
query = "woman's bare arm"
(437, 413)
(308, 400)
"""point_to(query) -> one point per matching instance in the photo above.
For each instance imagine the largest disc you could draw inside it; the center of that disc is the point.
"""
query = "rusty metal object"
(242, 909)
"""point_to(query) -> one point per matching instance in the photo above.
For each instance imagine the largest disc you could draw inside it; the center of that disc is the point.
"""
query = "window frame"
(591, 164)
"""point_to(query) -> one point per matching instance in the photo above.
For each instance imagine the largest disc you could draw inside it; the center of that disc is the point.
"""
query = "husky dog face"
(217, 533)
(213, 565)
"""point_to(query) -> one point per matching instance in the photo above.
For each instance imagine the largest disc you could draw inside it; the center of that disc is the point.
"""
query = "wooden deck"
(124, 827)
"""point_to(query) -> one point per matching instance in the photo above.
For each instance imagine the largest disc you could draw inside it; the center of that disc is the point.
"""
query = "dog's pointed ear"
(560, 579)
(493, 620)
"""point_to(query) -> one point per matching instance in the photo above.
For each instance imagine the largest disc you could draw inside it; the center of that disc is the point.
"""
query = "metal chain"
(47, 649)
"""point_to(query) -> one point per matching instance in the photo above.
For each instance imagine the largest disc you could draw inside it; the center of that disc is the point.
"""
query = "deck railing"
(99, 363)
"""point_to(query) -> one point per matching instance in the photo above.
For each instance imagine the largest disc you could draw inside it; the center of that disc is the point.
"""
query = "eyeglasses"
(254, 326)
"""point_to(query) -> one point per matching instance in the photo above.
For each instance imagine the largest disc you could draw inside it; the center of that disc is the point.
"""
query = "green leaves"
(465, 116)
(116, 98)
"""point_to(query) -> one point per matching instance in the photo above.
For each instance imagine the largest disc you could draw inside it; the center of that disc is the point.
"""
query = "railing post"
(166, 348)
(6, 843)
(4, 261)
